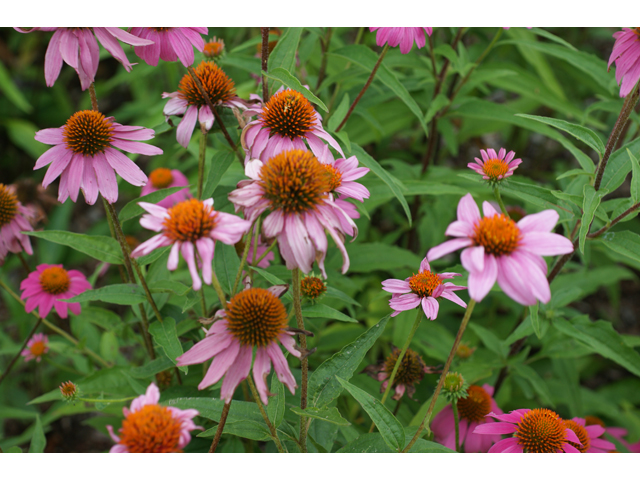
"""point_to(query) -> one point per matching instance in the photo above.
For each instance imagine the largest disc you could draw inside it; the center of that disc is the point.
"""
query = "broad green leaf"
(101, 317)
(326, 414)
(583, 134)
(323, 311)
(374, 443)
(635, 178)
(211, 408)
(38, 440)
(490, 340)
(121, 294)
(272, 279)
(13, 449)
(105, 249)
(602, 339)
(333, 292)
(242, 428)
(435, 106)
(276, 406)
(109, 346)
(11, 92)
(158, 365)
(390, 428)
(220, 163)
(532, 377)
(284, 76)
(169, 286)
(153, 256)
(21, 133)
(368, 257)
(567, 371)
(535, 320)
(339, 113)
(132, 209)
(226, 264)
(323, 386)
(543, 33)
(624, 243)
(284, 53)
(590, 204)
(166, 337)
(619, 166)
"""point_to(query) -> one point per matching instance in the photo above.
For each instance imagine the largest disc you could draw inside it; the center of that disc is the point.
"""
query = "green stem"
(445, 370)
(265, 253)
(265, 62)
(456, 422)
(218, 288)
(272, 429)
(203, 303)
(19, 352)
(243, 260)
(223, 420)
(496, 193)
(201, 159)
(297, 306)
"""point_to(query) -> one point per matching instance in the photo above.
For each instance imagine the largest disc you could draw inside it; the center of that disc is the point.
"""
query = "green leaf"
(109, 346)
(226, 264)
(326, 414)
(323, 386)
(169, 286)
(211, 408)
(364, 57)
(284, 76)
(38, 440)
(602, 339)
(624, 243)
(166, 336)
(388, 425)
(538, 384)
(583, 134)
(323, 311)
(132, 209)
(219, 165)
(373, 443)
(284, 53)
(275, 408)
(105, 249)
(590, 203)
(392, 182)
(21, 132)
(535, 320)
(490, 340)
(435, 106)
(369, 257)
(11, 92)
(272, 279)
(567, 371)
(333, 292)
(619, 166)
(339, 113)
(158, 365)
(121, 294)
(635, 178)
(13, 449)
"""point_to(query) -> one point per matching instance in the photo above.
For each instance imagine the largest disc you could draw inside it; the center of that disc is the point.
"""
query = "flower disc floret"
(475, 405)
(289, 114)
(581, 433)
(161, 178)
(88, 132)
(152, 429)
(55, 280)
(335, 177)
(541, 431)
(219, 87)
(8, 205)
(424, 283)
(411, 369)
(189, 221)
(256, 317)
(499, 235)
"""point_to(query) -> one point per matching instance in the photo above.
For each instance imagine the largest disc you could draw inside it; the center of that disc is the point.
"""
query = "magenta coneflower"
(37, 346)
(169, 43)
(403, 36)
(151, 428)
(472, 412)
(13, 221)
(189, 102)
(84, 156)
(497, 248)
(49, 284)
(494, 166)
(284, 123)
(191, 227)
(588, 436)
(294, 187)
(423, 288)
(164, 178)
(616, 432)
(79, 49)
(254, 317)
(533, 431)
(626, 54)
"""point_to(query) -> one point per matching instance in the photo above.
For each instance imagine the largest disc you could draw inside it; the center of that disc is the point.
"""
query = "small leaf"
(105, 249)
(590, 203)
(169, 286)
(219, 165)
(275, 408)
(339, 113)
(624, 243)
(284, 53)
(12, 92)
(538, 384)
(326, 414)
(635, 177)
(490, 340)
(284, 76)
(122, 294)
(166, 337)
(535, 320)
(272, 279)
(38, 440)
(158, 365)
(333, 292)
(132, 209)
(323, 311)
(583, 134)
(109, 346)
(226, 264)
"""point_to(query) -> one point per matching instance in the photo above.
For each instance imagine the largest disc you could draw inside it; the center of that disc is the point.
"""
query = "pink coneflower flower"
(533, 431)
(494, 166)
(189, 102)
(616, 432)
(254, 317)
(13, 221)
(164, 178)
(151, 428)
(423, 288)
(472, 412)
(191, 227)
(37, 346)
(284, 123)
(496, 247)
(626, 54)
(294, 187)
(214, 48)
(588, 436)
(169, 43)
(403, 36)
(49, 284)
(84, 156)
(79, 49)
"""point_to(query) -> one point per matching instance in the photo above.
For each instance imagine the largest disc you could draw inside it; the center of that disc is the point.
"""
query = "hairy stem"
(223, 420)
(201, 159)
(265, 62)
(94, 98)
(297, 306)
(324, 46)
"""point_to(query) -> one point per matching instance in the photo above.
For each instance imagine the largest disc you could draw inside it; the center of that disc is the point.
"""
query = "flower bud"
(69, 391)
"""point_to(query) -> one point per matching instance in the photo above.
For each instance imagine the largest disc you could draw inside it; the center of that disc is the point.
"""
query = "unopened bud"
(465, 351)
(312, 287)
(69, 390)
(214, 48)
(454, 386)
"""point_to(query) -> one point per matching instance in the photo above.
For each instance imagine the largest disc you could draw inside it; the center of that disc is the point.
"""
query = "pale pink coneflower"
(472, 411)
(532, 431)
(169, 43)
(191, 227)
(152, 428)
(13, 221)
(37, 346)
(189, 102)
(284, 123)
(255, 317)
(294, 188)
(48, 284)
(495, 166)
(164, 178)
(85, 156)
(422, 289)
(497, 248)
(626, 55)
(78, 48)
(403, 36)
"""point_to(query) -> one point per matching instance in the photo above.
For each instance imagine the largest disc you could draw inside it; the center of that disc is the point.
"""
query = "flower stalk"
(272, 429)
(297, 306)
(223, 420)
(265, 62)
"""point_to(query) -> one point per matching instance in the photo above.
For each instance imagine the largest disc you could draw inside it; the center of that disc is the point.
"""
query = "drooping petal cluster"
(151, 428)
(164, 178)
(191, 227)
(254, 317)
(626, 55)
(495, 166)
(86, 156)
(37, 346)
(78, 48)
(13, 221)
(589, 436)
(497, 248)
(422, 289)
(48, 285)
(169, 43)
(403, 36)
